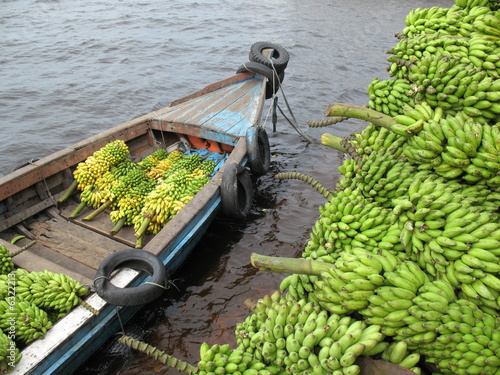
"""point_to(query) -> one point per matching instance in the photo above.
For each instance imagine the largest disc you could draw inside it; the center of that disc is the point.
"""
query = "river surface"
(70, 69)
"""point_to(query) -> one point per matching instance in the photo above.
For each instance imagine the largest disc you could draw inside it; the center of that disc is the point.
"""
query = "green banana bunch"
(299, 286)
(388, 96)
(220, 359)
(435, 20)
(151, 160)
(467, 341)
(6, 264)
(28, 321)
(389, 305)
(346, 287)
(431, 301)
(298, 336)
(397, 352)
(9, 353)
(49, 291)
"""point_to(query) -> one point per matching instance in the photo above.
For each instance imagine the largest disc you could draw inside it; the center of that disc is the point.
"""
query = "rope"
(54, 201)
(120, 320)
(158, 285)
(294, 124)
(161, 127)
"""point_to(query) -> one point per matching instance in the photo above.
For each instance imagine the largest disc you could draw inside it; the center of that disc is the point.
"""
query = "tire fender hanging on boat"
(273, 80)
(236, 191)
(258, 150)
(279, 57)
(135, 259)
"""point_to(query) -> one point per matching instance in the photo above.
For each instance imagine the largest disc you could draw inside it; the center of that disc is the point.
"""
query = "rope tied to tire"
(273, 68)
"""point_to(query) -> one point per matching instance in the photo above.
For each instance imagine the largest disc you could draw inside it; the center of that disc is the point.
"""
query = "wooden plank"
(102, 225)
(214, 87)
(238, 116)
(207, 107)
(31, 261)
(80, 244)
(28, 212)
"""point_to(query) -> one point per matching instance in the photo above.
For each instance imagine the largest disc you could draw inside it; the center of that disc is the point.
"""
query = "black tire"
(279, 58)
(273, 81)
(139, 260)
(258, 151)
(236, 191)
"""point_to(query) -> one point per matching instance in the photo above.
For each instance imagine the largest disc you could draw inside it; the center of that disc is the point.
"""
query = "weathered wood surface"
(230, 111)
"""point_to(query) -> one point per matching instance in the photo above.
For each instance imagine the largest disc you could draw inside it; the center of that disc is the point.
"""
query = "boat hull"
(225, 113)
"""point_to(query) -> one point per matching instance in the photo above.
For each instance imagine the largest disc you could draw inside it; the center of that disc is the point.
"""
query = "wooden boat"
(225, 114)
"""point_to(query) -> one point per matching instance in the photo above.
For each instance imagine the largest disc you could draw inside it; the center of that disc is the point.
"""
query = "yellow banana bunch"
(96, 165)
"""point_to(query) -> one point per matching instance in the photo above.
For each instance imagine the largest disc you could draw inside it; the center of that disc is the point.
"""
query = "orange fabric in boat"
(198, 142)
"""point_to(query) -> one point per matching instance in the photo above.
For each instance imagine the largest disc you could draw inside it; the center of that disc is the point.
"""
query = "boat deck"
(229, 111)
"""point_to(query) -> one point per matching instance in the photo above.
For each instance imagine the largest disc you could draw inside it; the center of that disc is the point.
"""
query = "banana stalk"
(303, 177)
(289, 265)
(78, 209)
(333, 141)
(88, 307)
(328, 121)
(25, 247)
(69, 191)
(96, 212)
(118, 226)
(360, 112)
(159, 355)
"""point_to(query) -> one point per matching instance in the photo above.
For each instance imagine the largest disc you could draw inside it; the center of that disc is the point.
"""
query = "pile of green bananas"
(9, 353)
(6, 264)
(448, 58)
(177, 186)
(299, 337)
(30, 302)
